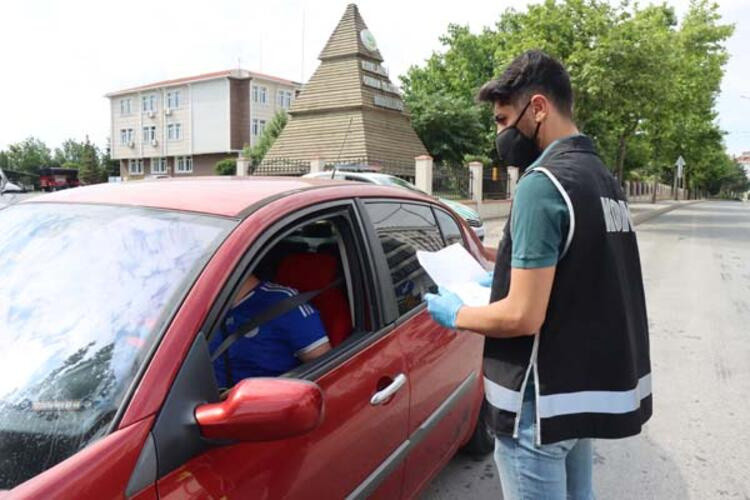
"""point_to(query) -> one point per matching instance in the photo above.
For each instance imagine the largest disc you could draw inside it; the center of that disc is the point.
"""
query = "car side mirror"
(263, 409)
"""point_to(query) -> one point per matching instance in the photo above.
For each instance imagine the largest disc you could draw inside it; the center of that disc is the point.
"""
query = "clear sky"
(59, 58)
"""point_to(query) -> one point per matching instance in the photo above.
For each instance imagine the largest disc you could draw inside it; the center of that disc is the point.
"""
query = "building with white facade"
(744, 160)
(184, 126)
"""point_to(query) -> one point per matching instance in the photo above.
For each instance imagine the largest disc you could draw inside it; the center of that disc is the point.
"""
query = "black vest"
(590, 361)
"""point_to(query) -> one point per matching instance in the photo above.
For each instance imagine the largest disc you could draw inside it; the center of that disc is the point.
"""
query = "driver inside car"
(274, 347)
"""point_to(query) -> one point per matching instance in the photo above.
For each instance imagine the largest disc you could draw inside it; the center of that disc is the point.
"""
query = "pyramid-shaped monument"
(349, 110)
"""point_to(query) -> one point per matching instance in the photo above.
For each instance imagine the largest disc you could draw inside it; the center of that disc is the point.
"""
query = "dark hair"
(531, 72)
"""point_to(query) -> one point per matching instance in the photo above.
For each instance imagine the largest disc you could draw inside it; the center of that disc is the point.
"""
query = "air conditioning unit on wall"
(131, 144)
(167, 111)
(151, 114)
(154, 142)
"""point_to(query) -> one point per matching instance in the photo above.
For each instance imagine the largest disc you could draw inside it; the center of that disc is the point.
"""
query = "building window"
(158, 166)
(124, 106)
(283, 99)
(173, 99)
(260, 94)
(174, 131)
(135, 166)
(149, 134)
(262, 126)
(148, 103)
(126, 136)
(184, 165)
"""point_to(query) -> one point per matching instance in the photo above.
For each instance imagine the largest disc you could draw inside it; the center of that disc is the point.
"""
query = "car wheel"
(482, 441)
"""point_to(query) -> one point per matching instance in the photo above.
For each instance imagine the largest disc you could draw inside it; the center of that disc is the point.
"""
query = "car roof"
(373, 176)
(222, 195)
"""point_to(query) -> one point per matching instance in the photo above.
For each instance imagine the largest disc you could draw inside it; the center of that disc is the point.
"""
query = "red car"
(107, 388)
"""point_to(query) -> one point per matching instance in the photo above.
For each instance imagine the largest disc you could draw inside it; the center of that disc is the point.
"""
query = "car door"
(444, 365)
(349, 454)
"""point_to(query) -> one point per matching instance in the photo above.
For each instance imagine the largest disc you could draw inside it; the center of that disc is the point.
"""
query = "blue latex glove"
(486, 281)
(444, 307)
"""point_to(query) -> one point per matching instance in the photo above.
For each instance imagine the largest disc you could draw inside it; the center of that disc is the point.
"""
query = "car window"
(84, 292)
(318, 255)
(404, 228)
(449, 228)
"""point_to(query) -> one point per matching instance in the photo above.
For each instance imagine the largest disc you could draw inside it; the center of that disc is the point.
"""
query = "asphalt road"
(696, 264)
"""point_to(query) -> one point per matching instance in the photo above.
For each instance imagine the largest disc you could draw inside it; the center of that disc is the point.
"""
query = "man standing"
(566, 357)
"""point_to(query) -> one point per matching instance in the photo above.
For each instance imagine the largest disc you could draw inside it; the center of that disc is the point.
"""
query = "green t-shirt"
(539, 223)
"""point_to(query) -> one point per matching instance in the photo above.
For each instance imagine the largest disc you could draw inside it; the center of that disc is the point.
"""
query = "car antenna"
(341, 150)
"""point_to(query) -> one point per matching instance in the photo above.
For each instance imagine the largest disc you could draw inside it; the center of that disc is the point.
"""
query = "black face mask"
(515, 149)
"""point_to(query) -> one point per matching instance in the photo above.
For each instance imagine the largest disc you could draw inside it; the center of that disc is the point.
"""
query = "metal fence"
(495, 183)
(362, 164)
(281, 167)
(451, 181)
(403, 170)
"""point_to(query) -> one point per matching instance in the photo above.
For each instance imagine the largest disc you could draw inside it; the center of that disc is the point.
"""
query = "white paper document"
(455, 269)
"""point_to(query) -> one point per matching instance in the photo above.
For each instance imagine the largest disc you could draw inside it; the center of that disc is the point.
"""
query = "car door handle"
(384, 395)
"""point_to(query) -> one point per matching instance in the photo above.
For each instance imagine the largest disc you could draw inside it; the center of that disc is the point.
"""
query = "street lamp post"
(679, 165)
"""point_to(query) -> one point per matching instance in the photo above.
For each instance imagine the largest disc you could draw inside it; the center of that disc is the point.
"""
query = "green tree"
(452, 79)
(227, 166)
(70, 151)
(71, 165)
(28, 156)
(89, 172)
(645, 85)
(107, 166)
(450, 128)
(268, 137)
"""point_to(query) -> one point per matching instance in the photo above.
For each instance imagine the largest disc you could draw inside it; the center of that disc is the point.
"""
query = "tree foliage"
(227, 166)
(447, 126)
(32, 154)
(89, 173)
(645, 83)
(28, 156)
(267, 138)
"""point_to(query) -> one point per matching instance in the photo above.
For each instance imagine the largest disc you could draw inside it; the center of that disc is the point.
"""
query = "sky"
(59, 58)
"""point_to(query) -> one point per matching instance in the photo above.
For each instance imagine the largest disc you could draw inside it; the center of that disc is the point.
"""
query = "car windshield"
(85, 291)
(398, 182)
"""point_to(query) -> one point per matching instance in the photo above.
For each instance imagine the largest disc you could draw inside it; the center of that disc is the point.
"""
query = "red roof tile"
(205, 76)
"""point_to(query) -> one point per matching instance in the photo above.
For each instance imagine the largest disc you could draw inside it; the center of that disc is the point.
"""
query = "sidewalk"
(641, 212)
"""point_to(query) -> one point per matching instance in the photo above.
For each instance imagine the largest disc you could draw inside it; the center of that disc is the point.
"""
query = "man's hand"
(486, 280)
(444, 306)
(522, 312)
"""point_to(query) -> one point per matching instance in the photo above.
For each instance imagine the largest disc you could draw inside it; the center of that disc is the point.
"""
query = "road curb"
(651, 214)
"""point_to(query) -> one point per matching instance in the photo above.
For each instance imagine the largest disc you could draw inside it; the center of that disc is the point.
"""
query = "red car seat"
(313, 271)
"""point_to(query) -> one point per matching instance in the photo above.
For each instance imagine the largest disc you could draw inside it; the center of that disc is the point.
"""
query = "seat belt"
(278, 309)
